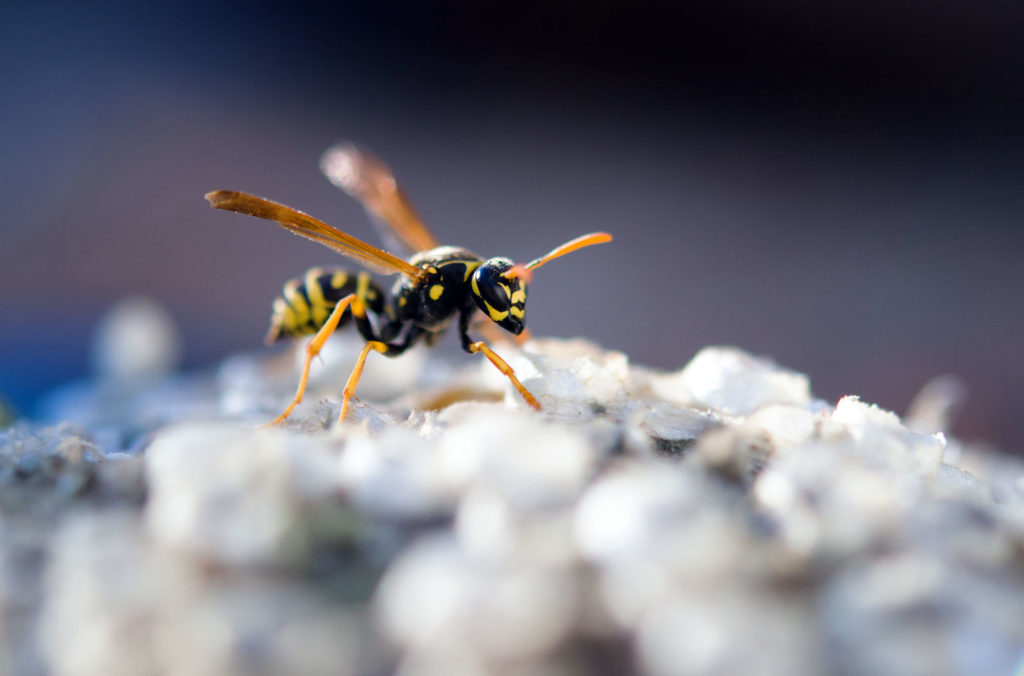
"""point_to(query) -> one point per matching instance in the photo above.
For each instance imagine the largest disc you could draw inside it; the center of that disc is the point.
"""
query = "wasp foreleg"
(499, 363)
(502, 365)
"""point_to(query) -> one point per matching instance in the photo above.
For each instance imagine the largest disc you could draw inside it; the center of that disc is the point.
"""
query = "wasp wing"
(367, 179)
(306, 226)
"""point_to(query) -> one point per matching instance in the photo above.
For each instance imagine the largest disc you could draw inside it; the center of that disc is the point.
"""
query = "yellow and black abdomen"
(307, 301)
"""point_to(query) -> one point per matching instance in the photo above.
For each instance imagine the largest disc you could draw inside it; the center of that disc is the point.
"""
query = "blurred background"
(839, 188)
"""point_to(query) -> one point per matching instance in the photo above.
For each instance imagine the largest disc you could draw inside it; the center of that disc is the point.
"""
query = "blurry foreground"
(716, 519)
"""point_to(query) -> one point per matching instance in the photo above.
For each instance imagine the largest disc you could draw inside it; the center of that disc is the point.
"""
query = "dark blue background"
(839, 188)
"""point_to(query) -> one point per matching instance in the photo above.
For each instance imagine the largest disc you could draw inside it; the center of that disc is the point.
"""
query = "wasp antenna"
(570, 246)
(518, 271)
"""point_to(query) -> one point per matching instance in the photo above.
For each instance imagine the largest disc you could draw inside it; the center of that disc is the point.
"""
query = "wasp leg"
(361, 308)
(389, 349)
(313, 349)
(357, 371)
(481, 346)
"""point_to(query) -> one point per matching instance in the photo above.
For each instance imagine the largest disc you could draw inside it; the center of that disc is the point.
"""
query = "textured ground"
(714, 520)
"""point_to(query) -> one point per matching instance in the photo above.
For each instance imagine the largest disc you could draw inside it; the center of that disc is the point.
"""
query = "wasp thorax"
(501, 297)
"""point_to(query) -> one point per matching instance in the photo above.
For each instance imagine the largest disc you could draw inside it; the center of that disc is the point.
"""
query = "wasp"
(436, 284)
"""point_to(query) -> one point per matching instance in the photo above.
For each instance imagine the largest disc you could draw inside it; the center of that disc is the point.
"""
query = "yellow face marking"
(318, 304)
(519, 296)
(338, 279)
(494, 314)
(517, 312)
(508, 291)
(436, 291)
(297, 301)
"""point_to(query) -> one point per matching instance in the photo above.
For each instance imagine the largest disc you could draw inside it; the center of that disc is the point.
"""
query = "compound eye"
(495, 296)
(494, 290)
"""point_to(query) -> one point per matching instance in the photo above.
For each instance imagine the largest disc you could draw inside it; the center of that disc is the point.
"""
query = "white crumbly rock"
(237, 497)
(575, 379)
(732, 381)
(714, 519)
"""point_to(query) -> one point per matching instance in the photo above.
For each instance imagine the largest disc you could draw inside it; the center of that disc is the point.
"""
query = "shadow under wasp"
(436, 284)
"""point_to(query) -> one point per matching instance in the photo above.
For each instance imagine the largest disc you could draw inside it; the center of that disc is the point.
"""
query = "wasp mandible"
(436, 283)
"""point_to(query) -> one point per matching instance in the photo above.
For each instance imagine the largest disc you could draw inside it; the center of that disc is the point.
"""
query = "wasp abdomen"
(307, 301)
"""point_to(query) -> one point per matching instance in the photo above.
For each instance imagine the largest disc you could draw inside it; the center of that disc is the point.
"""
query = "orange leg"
(481, 346)
(312, 350)
(353, 380)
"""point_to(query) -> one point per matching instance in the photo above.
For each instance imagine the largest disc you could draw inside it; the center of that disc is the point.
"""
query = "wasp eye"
(493, 288)
(496, 296)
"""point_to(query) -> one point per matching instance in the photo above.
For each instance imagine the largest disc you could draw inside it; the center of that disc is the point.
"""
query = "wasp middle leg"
(387, 349)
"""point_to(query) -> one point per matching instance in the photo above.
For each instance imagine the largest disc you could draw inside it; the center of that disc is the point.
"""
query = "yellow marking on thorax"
(436, 291)
(319, 305)
(402, 300)
(469, 267)
(297, 302)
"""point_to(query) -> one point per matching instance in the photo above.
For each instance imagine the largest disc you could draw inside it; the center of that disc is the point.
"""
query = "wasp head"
(501, 294)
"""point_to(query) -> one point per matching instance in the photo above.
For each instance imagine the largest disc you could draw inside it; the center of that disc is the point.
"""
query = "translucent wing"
(367, 179)
(311, 228)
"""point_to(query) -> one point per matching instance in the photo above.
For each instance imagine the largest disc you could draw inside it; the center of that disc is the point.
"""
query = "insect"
(436, 284)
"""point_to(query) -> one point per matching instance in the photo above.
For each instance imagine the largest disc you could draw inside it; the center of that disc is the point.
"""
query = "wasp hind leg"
(313, 349)
(357, 372)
